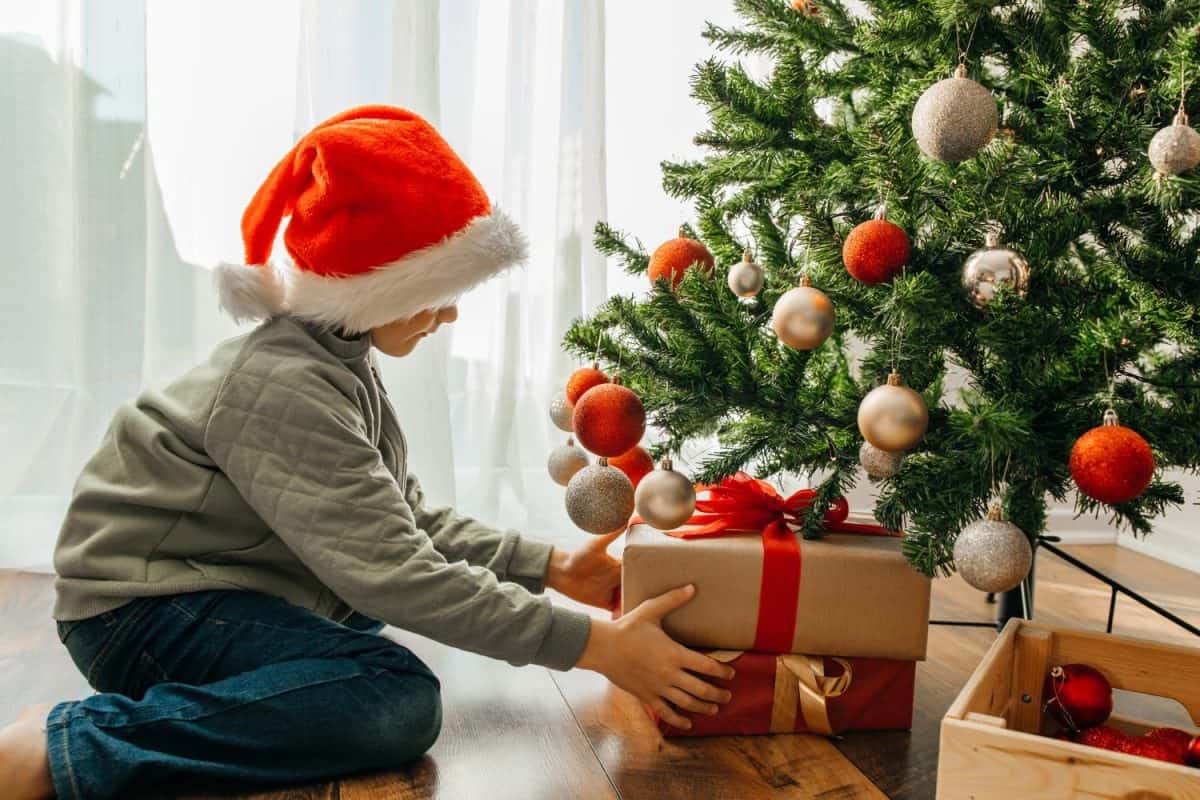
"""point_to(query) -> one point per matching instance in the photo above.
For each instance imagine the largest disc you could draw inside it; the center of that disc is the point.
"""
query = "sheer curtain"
(134, 132)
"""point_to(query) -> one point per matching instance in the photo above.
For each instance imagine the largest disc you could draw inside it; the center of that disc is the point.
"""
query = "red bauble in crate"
(875, 251)
(609, 419)
(1077, 695)
(1102, 736)
(583, 379)
(1112, 463)
(636, 464)
(674, 256)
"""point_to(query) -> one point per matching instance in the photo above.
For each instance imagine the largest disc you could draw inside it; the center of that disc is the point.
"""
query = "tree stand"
(1018, 602)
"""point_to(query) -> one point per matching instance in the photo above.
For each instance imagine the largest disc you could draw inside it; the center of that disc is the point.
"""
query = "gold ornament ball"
(986, 271)
(562, 413)
(992, 554)
(1175, 148)
(599, 498)
(745, 277)
(893, 417)
(877, 463)
(565, 460)
(803, 317)
(665, 499)
(954, 118)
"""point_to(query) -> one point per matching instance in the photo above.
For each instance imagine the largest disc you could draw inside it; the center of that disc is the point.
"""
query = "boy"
(231, 544)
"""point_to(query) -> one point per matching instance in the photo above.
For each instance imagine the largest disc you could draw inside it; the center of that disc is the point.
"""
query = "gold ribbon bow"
(801, 680)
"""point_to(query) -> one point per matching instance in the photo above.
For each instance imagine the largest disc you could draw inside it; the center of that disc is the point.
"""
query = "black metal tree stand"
(1018, 602)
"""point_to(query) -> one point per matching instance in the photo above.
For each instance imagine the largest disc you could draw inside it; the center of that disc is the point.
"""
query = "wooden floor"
(531, 733)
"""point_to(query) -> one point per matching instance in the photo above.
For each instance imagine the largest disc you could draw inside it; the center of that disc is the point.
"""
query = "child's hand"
(634, 653)
(589, 574)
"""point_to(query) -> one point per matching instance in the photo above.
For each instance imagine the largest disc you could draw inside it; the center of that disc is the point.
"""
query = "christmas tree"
(1108, 314)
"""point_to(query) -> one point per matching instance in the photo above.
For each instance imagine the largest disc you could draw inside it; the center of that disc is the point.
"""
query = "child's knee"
(408, 721)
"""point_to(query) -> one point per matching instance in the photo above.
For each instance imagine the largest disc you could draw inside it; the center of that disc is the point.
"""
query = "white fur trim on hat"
(427, 278)
(248, 291)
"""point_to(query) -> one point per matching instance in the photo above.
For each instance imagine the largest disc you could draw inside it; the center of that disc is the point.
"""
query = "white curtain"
(132, 133)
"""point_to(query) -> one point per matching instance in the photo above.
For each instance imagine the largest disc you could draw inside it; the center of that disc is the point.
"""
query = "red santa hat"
(385, 221)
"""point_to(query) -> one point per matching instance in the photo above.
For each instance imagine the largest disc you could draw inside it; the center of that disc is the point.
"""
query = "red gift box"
(806, 694)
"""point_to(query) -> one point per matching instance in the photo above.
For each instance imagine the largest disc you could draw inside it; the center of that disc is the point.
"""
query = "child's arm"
(509, 555)
(291, 439)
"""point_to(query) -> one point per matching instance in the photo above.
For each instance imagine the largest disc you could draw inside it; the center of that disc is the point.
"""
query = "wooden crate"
(990, 745)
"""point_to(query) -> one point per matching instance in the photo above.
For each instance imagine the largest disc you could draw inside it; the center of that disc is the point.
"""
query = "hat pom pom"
(249, 292)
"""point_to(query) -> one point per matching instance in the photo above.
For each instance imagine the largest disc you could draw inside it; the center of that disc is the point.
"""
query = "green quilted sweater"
(278, 466)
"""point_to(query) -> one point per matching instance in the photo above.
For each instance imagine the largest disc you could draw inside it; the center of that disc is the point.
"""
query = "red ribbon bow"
(744, 504)
(741, 503)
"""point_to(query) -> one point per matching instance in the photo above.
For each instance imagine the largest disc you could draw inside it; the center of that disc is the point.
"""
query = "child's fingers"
(670, 715)
(701, 689)
(698, 662)
(604, 540)
(681, 699)
(658, 607)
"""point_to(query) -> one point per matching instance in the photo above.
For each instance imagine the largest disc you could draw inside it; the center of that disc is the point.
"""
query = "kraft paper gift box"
(849, 594)
(774, 693)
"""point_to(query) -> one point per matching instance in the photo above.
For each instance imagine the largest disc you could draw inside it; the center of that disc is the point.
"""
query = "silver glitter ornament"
(893, 417)
(992, 554)
(599, 498)
(803, 317)
(745, 277)
(665, 499)
(954, 118)
(565, 460)
(878, 463)
(986, 271)
(1175, 148)
(562, 413)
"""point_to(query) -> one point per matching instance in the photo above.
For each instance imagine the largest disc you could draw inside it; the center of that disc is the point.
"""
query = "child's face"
(398, 338)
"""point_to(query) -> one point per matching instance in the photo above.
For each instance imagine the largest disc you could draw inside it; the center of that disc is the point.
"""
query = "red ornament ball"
(1104, 737)
(1077, 695)
(1112, 463)
(609, 420)
(1146, 748)
(875, 251)
(839, 509)
(1174, 740)
(636, 464)
(583, 379)
(674, 256)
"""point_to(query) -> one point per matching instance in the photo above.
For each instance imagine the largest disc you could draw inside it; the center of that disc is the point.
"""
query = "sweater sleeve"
(509, 555)
(302, 459)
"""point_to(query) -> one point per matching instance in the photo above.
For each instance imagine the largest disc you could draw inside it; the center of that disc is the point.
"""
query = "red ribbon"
(740, 504)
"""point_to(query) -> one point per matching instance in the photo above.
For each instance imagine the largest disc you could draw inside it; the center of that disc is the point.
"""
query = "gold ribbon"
(801, 680)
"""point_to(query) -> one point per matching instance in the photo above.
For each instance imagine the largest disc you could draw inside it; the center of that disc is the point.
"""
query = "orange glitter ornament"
(674, 256)
(609, 419)
(583, 379)
(1112, 463)
(875, 251)
(636, 464)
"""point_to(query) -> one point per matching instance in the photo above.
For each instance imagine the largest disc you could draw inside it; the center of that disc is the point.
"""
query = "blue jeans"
(221, 688)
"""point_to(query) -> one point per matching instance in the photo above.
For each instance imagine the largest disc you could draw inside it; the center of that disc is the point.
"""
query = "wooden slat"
(986, 764)
(643, 764)
(1031, 663)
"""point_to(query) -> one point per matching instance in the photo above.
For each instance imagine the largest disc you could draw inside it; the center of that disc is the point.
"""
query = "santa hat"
(386, 221)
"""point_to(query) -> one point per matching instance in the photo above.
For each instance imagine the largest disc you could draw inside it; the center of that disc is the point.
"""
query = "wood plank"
(642, 764)
(1031, 664)
(984, 763)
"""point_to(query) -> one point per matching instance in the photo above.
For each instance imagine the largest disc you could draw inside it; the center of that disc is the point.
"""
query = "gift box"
(807, 694)
(760, 587)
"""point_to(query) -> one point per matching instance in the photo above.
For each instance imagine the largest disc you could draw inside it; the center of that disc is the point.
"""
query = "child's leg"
(234, 686)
